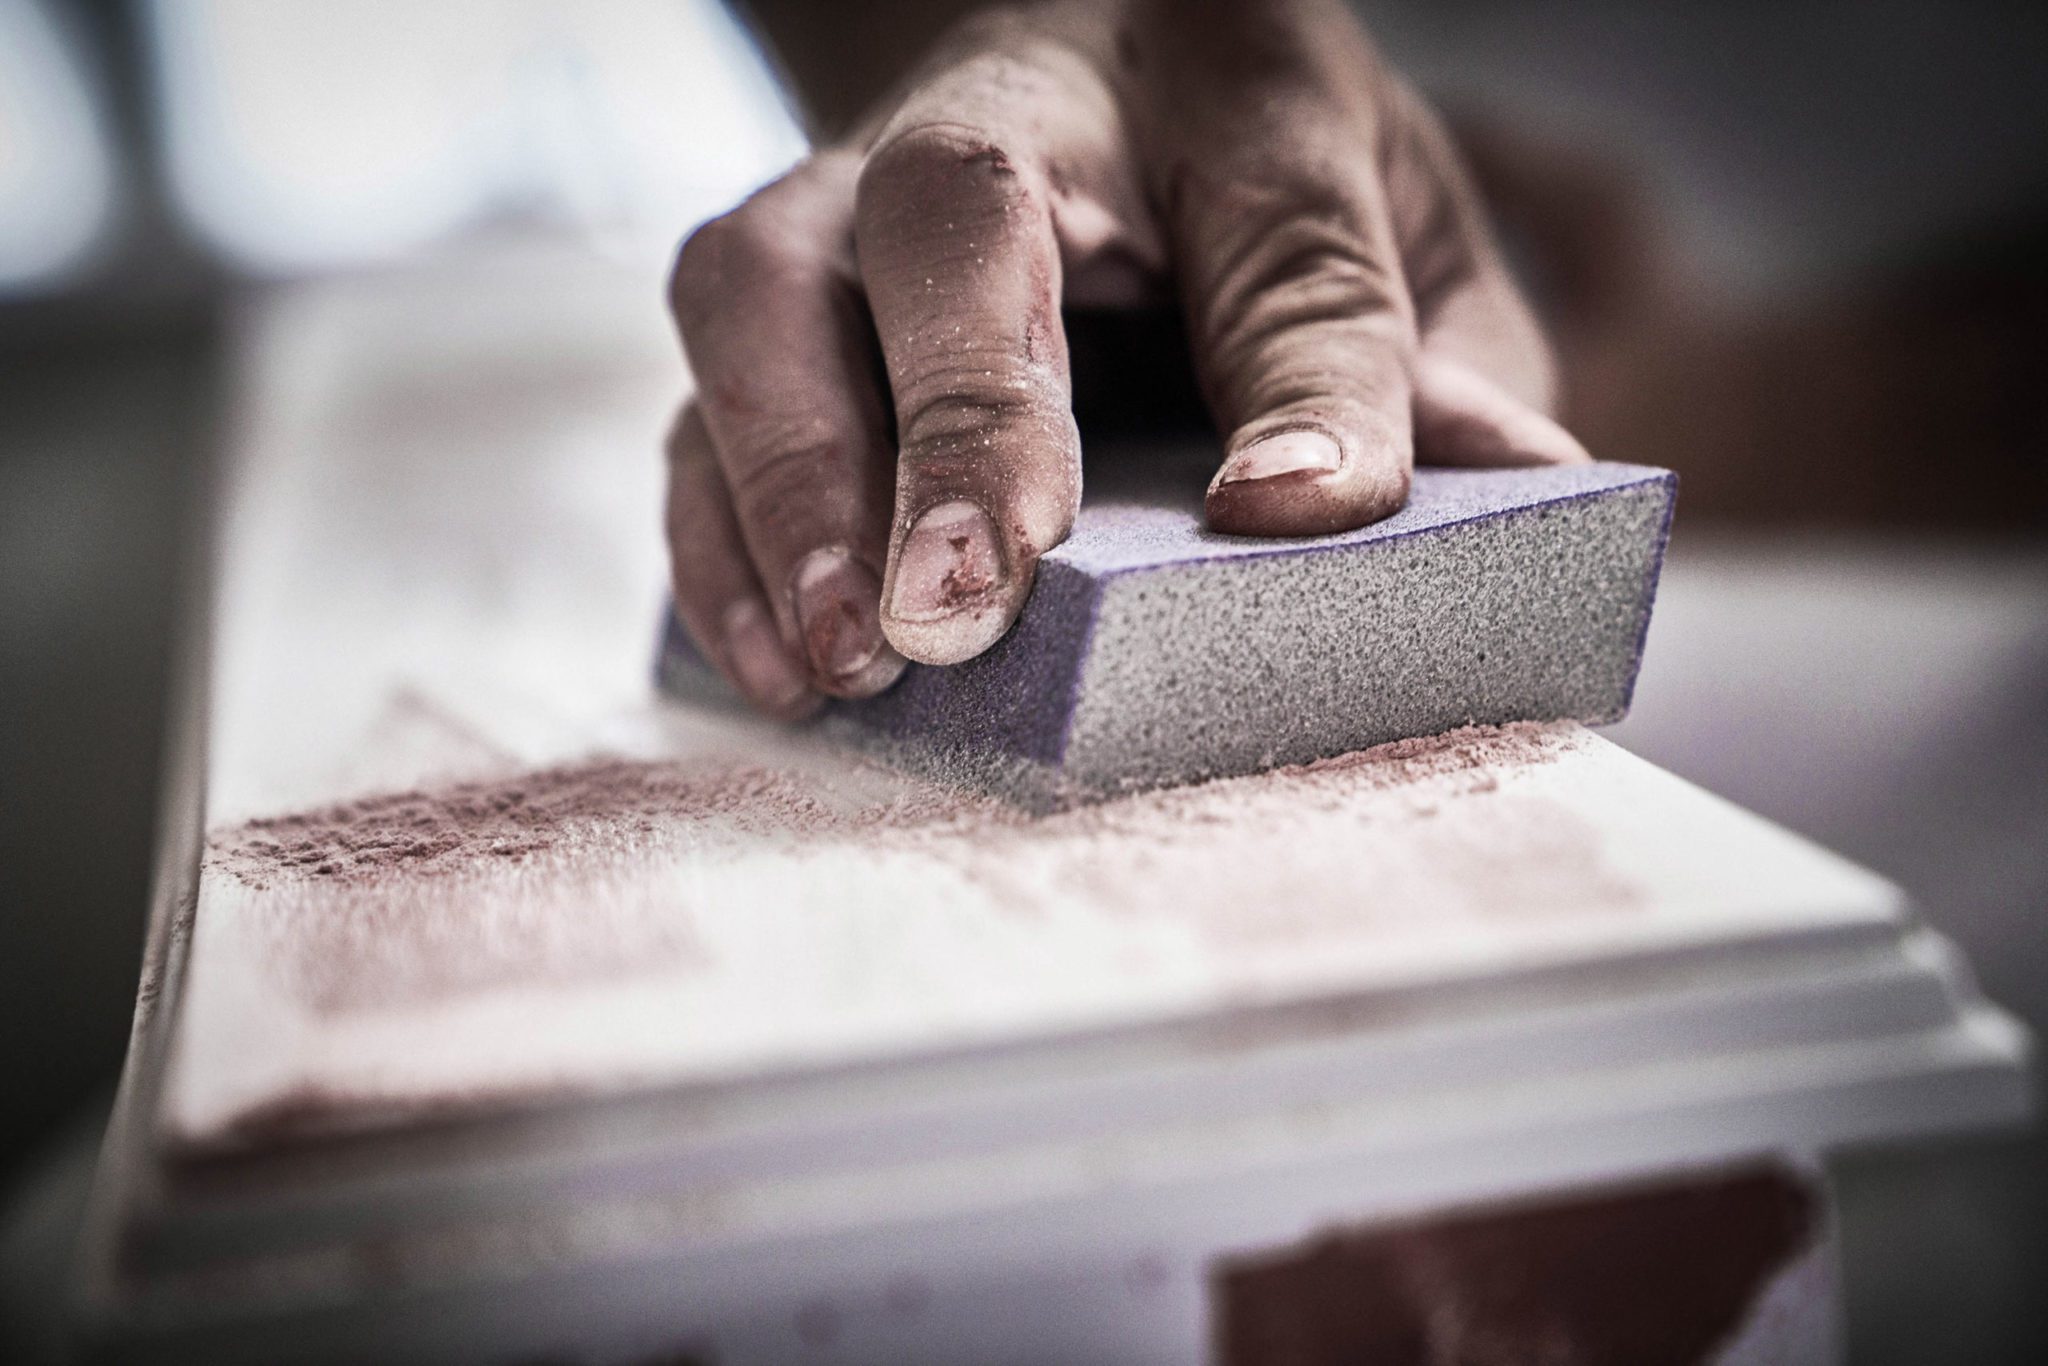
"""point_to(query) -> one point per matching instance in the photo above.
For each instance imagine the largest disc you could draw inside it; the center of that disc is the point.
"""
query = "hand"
(882, 443)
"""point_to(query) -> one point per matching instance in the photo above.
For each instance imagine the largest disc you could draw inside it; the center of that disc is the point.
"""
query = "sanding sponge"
(1154, 652)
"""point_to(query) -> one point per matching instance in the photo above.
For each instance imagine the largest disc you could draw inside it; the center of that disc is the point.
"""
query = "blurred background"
(1795, 251)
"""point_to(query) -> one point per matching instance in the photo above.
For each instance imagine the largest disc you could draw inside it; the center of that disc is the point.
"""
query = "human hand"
(881, 444)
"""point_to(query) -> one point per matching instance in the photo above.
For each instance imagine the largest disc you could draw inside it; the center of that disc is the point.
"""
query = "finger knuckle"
(730, 256)
(1311, 247)
(780, 467)
(700, 264)
(688, 511)
(694, 512)
(1001, 448)
(964, 400)
(1301, 272)
(956, 428)
(694, 545)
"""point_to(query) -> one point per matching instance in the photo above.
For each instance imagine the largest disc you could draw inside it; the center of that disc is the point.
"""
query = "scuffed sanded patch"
(556, 875)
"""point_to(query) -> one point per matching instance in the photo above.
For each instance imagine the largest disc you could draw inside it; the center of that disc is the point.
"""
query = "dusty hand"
(882, 444)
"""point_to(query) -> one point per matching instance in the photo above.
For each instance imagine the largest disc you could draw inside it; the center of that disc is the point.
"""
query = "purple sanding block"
(1154, 652)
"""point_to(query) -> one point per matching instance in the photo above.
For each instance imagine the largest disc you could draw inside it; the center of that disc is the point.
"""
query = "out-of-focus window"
(350, 132)
(56, 162)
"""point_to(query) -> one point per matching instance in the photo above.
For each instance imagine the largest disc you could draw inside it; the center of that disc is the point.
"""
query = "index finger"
(962, 268)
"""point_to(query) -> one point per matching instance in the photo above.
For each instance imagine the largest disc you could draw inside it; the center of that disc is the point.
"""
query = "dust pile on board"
(607, 867)
(599, 807)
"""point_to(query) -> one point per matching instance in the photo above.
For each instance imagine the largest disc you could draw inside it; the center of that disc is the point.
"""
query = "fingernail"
(950, 563)
(1297, 452)
(838, 609)
(754, 649)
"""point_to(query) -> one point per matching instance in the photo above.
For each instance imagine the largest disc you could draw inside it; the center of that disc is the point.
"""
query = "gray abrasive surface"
(1154, 652)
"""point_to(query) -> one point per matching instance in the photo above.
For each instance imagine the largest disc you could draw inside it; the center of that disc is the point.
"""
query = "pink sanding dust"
(436, 833)
(408, 896)
(464, 826)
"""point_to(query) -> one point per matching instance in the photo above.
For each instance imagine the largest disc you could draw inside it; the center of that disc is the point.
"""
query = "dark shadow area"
(104, 428)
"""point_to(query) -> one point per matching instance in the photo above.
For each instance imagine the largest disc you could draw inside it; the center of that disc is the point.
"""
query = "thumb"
(1301, 326)
(1303, 337)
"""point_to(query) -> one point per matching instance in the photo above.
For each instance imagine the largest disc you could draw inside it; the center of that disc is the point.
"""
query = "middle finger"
(783, 356)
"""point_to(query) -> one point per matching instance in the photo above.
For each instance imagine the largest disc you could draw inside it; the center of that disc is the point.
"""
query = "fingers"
(782, 352)
(1263, 139)
(1348, 309)
(1303, 339)
(1347, 312)
(963, 274)
(1484, 380)
(718, 597)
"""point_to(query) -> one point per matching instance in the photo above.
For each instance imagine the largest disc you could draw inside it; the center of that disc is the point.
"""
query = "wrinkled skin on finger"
(883, 442)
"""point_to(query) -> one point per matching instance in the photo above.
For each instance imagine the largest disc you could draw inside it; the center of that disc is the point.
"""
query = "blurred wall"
(108, 385)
